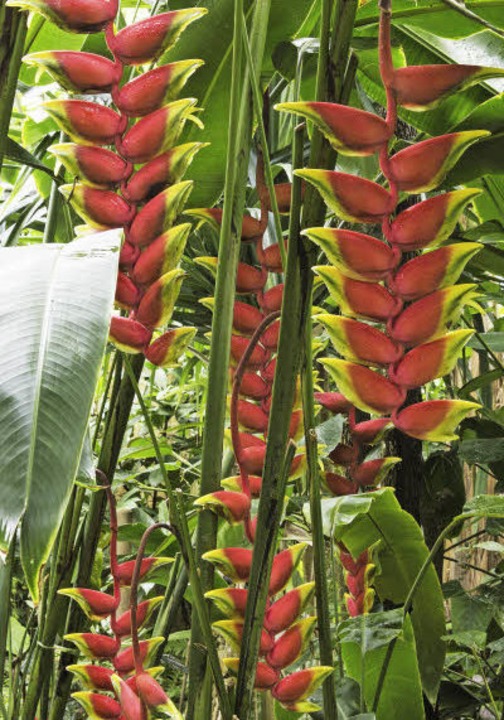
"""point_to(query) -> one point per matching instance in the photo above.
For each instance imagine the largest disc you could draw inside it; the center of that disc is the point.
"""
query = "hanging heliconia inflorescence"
(256, 328)
(114, 192)
(410, 307)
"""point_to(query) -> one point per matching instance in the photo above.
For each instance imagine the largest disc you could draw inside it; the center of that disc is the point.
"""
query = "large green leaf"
(56, 302)
(370, 641)
(210, 39)
(359, 521)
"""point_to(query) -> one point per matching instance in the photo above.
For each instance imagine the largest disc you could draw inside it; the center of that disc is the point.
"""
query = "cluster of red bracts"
(285, 633)
(113, 190)
(133, 689)
(407, 307)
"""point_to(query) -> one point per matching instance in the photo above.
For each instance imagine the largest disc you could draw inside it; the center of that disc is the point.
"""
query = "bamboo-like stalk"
(272, 488)
(199, 707)
(12, 37)
(5, 591)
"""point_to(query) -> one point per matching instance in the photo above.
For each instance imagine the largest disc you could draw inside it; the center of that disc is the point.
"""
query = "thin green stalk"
(174, 596)
(239, 140)
(12, 37)
(271, 501)
(179, 522)
(268, 175)
(5, 591)
(115, 428)
(57, 208)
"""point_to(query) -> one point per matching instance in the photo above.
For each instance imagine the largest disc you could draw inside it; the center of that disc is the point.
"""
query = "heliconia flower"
(333, 401)
(162, 255)
(253, 458)
(249, 279)
(270, 257)
(157, 132)
(349, 130)
(250, 230)
(128, 335)
(146, 40)
(355, 297)
(246, 317)
(358, 256)
(127, 293)
(251, 417)
(373, 472)
(167, 349)
(430, 360)
(271, 336)
(85, 122)
(271, 300)
(97, 166)
(360, 342)
(124, 571)
(97, 605)
(283, 193)
(231, 601)
(165, 169)
(131, 704)
(235, 562)
(361, 604)
(77, 71)
(344, 454)
(291, 644)
(100, 209)
(159, 214)
(428, 317)
(366, 389)
(234, 506)
(430, 222)
(432, 270)
(81, 16)
(359, 581)
(98, 707)
(340, 485)
(253, 386)
(95, 646)
(352, 198)
(156, 306)
(124, 661)
(284, 611)
(122, 625)
(422, 87)
(372, 431)
(423, 166)
(284, 564)
(258, 358)
(348, 562)
(301, 684)
(154, 696)
(433, 420)
(151, 90)
(232, 631)
(265, 677)
(93, 677)
(268, 372)
(234, 483)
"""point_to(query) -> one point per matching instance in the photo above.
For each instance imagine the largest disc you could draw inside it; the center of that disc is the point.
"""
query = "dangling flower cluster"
(254, 343)
(133, 689)
(408, 306)
(112, 191)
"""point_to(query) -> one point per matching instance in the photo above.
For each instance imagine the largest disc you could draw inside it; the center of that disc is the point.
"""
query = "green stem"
(57, 208)
(179, 521)
(12, 37)
(319, 548)
(268, 175)
(174, 596)
(272, 489)
(5, 591)
(239, 140)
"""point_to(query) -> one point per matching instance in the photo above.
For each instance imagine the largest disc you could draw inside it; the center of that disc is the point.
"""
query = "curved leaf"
(359, 521)
(56, 302)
